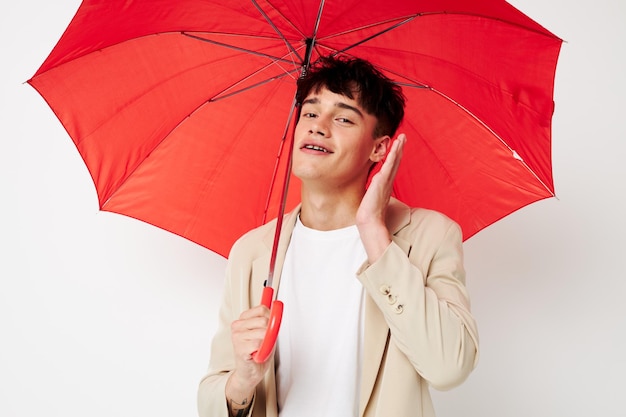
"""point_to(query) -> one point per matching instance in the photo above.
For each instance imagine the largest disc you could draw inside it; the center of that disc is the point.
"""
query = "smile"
(316, 148)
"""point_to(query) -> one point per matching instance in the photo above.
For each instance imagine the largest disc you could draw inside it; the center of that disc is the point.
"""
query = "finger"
(255, 323)
(248, 341)
(245, 344)
(398, 147)
(245, 350)
(258, 311)
(392, 162)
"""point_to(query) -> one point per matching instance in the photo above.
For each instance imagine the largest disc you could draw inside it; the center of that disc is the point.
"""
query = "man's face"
(334, 140)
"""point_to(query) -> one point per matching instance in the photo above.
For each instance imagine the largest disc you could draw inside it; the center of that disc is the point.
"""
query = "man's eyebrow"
(349, 107)
(312, 100)
(340, 104)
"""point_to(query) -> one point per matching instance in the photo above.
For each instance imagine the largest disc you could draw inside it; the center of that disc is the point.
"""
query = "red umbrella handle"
(271, 334)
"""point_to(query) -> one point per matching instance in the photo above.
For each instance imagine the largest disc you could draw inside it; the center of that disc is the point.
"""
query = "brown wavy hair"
(355, 77)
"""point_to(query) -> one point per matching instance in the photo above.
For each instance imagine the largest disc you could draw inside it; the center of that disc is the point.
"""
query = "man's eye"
(344, 120)
(308, 115)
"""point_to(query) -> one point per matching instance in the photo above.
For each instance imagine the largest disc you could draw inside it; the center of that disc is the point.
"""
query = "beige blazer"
(419, 331)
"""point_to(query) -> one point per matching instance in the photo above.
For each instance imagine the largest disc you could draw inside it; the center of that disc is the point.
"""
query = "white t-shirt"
(319, 346)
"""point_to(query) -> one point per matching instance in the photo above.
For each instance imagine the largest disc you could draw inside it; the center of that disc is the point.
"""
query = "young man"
(375, 305)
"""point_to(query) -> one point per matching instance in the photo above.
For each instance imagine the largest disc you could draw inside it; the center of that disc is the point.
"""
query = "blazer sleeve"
(421, 293)
(212, 388)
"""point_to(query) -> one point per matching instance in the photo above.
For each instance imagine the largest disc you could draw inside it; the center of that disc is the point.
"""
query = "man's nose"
(319, 126)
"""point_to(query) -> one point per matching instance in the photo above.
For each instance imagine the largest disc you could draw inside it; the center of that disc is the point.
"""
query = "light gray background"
(101, 315)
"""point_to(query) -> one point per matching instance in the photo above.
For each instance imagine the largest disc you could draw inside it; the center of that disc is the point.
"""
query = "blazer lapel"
(260, 270)
(374, 346)
(289, 223)
(261, 265)
(260, 273)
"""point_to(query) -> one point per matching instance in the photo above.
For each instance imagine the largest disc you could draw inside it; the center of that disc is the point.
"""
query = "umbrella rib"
(409, 19)
(426, 14)
(278, 32)
(318, 18)
(288, 21)
(514, 153)
(382, 32)
(237, 48)
(275, 60)
(219, 97)
(410, 83)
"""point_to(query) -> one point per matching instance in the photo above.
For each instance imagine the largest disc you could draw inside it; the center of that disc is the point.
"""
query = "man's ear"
(381, 147)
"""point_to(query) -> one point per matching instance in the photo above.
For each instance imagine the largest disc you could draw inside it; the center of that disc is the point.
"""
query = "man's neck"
(329, 211)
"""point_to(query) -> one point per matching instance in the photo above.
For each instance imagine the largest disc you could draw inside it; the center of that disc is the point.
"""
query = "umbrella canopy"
(180, 109)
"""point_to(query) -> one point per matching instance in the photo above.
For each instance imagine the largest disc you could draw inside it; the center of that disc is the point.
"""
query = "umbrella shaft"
(283, 198)
(283, 203)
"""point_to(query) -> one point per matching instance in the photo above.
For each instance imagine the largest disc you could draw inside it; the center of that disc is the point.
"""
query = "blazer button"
(385, 289)
(399, 309)
(391, 299)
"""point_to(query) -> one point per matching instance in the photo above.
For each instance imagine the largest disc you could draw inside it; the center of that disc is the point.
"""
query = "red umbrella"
(180, 108)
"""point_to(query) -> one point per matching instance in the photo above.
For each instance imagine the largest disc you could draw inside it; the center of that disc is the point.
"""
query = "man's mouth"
(316, 148)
